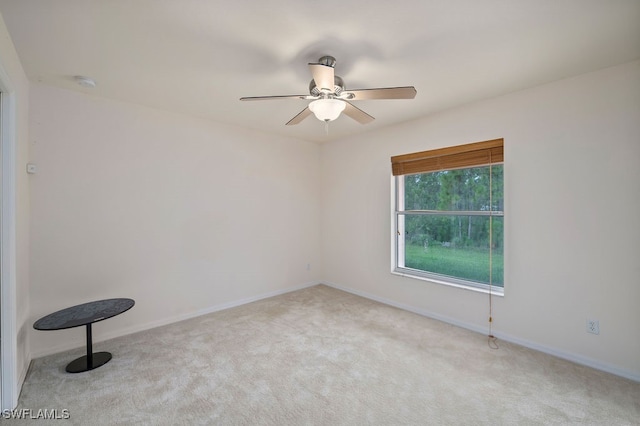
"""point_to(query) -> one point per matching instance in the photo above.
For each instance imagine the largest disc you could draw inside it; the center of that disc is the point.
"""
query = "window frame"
(397, 223)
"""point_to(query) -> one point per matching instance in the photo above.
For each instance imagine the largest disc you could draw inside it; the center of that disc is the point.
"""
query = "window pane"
(455, 245)
(454, 190)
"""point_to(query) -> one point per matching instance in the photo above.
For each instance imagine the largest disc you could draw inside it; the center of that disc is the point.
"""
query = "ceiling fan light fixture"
(327, 109)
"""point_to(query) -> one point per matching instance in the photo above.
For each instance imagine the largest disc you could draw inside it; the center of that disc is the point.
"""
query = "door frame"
(8, 308)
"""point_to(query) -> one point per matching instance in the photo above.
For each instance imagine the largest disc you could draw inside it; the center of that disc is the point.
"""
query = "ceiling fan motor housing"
(338, 87)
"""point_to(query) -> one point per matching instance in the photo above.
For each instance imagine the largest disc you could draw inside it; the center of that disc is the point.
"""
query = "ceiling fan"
(330, 97)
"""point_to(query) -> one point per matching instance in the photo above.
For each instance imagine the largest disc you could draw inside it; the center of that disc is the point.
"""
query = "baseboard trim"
(569, 356)
(166, 321)
(23, 375)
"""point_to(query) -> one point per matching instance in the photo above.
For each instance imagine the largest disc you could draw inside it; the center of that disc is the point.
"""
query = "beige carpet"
(320, 356)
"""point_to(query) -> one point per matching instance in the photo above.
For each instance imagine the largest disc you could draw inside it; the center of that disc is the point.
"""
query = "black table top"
(84, 314)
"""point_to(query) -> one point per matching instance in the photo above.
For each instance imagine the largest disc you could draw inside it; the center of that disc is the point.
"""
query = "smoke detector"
(85, 81)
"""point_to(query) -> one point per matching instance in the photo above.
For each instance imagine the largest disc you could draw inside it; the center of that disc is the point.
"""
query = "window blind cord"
(491, 339)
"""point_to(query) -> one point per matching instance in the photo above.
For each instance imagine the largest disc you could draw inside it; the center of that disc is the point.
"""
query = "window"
(448, 217)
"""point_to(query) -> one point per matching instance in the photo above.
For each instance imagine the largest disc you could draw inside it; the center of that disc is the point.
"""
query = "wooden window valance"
(455, 157)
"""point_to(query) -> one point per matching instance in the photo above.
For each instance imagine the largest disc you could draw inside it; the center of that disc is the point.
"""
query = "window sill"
(495, 291)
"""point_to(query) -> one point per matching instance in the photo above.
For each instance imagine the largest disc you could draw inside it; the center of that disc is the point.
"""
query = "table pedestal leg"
(91, 360)
(89, 348)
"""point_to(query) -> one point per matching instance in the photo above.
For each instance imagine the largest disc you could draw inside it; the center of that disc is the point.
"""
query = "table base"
(79, 365)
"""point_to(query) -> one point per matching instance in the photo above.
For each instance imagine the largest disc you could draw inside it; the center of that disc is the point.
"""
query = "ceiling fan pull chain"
(326, 127)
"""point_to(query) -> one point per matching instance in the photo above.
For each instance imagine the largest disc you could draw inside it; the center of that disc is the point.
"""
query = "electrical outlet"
(593, 326)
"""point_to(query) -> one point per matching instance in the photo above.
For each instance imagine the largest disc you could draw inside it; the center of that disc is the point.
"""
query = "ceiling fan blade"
(406, 92)
(298, 118)
(357, 114)
(323, 76)
(266, 98)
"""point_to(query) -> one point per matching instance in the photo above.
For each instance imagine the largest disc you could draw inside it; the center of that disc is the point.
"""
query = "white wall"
(572, 197)
(11, 66)
(181, 214)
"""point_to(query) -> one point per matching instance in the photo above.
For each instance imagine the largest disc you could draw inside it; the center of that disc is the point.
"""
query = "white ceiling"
(199, 57)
